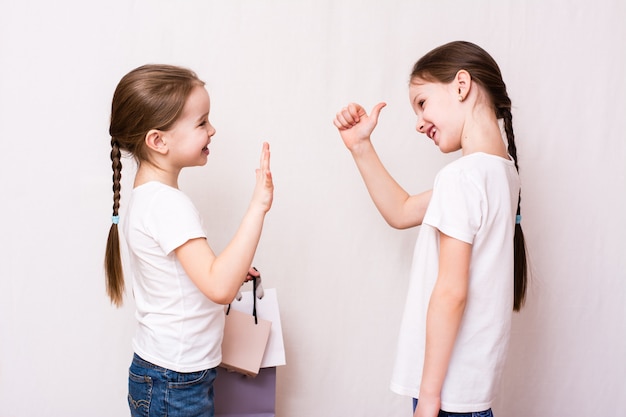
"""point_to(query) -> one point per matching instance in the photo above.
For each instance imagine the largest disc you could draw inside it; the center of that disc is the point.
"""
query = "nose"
(420, 125)
(210, 131)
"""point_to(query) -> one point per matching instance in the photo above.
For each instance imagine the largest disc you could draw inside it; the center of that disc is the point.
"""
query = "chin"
(448, 149)
(202, 162)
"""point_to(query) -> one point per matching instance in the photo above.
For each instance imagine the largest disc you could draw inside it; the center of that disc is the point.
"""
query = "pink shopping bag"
(245, 340)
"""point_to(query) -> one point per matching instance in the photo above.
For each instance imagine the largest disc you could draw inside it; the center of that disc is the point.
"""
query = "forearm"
(445, 312)
(391, 200)
(229, 269)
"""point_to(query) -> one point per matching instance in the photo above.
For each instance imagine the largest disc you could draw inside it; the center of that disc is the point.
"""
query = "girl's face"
(188, 140)
(438, 113)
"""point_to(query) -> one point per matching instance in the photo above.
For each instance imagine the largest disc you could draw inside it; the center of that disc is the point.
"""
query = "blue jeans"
(486, 413)
(154, 391)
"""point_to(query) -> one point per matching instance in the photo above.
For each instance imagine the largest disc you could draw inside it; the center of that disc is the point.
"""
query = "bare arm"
(399, 209)
(445, 311)
(220, 277)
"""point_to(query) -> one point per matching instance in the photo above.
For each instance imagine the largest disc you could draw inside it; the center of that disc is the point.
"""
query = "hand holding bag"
(245, 339)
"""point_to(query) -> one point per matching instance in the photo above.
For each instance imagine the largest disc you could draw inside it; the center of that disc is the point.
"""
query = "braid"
(510, 136)
(116, 155)
(112, 259)
(519, 243)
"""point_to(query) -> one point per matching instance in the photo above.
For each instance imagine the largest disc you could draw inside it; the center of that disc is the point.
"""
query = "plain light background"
(279, 71)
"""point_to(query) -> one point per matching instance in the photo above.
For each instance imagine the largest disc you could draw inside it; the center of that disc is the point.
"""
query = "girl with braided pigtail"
(160, 116)
(469, 266)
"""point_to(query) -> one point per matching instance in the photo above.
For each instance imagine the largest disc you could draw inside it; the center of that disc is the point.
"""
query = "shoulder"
(458, 172)
(158, 198)
(158, 191)
(475, 168)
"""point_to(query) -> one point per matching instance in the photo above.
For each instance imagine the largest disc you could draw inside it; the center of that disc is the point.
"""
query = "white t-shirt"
(179, 327)
(474, 200)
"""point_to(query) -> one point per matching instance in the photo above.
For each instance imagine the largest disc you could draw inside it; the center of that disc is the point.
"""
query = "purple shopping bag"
(237, 395)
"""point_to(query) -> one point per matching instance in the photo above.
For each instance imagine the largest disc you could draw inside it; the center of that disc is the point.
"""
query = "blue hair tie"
(518, 219)
(115, 219)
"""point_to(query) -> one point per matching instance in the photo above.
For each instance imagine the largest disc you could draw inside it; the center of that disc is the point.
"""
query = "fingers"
(352, 114)
(265, 157)
(252, 273)
(349, 116)
(264, 189)
(264, 165)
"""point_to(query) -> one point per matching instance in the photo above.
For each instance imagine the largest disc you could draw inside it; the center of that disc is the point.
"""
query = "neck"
(482, 133)
(148, 171)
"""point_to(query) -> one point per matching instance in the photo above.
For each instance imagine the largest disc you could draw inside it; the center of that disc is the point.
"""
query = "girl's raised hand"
(355, 125)
(264, 189)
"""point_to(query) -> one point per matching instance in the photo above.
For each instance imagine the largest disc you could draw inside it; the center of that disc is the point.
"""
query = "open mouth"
(431, 133)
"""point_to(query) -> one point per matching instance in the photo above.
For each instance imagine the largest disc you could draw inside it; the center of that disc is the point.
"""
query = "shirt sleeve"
(173, 220)
(455, 207)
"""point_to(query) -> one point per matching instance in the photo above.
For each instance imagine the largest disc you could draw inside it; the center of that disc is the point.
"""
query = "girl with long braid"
(160, 116)
(469, 266)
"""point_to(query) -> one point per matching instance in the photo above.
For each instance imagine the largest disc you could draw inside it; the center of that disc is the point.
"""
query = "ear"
(154, 141)
(463, 83)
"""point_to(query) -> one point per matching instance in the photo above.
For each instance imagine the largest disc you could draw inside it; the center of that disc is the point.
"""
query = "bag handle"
(256, 320)
(254, 291)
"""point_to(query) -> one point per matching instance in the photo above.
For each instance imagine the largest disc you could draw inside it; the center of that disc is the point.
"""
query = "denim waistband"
(138, 360)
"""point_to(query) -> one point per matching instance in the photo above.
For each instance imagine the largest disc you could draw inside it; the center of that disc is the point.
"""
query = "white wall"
(278, 71)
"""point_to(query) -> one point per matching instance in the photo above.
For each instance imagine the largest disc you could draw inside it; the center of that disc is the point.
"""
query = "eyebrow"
(204, 116)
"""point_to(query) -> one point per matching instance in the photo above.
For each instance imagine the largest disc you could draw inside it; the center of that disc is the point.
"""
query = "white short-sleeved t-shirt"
(179, 328)
(474, 200)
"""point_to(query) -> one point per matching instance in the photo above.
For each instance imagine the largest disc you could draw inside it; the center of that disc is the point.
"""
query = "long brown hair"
(148, 97)
(441, 65)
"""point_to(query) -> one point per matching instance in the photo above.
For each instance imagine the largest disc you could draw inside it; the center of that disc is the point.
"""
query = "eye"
(203, 123)
(420, 104)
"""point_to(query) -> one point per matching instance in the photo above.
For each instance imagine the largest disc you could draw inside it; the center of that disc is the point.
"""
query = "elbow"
(404, 220)
(452, 299)
(397, 224)
(457, 300)
(394, 224)
(221, 296)
(455, 295)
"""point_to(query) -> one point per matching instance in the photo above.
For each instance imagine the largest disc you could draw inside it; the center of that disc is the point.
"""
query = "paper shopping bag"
(245, 339)
(237, 395)
(244, 342)
(267, 309)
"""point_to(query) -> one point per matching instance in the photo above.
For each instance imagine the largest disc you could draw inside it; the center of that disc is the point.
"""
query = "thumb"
(376, 110)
